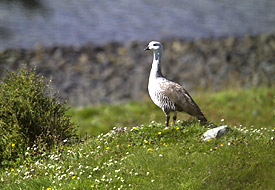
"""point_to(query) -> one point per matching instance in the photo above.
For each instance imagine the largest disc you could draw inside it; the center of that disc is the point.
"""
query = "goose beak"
(147, 48)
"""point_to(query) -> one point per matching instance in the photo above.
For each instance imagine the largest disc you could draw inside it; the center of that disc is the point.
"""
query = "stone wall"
(119, 72)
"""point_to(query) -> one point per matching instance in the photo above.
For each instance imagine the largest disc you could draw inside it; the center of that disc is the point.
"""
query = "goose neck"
(157, 55)
(156, 65)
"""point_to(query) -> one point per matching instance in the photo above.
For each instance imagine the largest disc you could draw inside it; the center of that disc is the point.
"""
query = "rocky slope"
(118, 72)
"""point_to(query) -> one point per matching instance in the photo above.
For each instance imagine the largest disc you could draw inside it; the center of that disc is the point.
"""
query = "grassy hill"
(143, 154)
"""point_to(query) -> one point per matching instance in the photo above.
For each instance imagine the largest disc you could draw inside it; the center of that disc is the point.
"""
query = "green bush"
(30, 111)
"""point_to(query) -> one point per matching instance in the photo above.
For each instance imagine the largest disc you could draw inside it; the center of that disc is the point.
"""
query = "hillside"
(152, 157)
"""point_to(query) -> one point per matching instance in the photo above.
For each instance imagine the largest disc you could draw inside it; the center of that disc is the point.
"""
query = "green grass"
(140, 154)
(152, 157)
(237, 107)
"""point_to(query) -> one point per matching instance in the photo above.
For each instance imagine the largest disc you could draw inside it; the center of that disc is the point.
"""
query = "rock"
(215, 133)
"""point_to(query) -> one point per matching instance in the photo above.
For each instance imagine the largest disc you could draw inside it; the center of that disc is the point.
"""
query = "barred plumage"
(168, 95)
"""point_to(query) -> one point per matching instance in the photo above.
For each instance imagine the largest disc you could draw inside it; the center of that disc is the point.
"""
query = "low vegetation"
(30, 112)
(151, 156)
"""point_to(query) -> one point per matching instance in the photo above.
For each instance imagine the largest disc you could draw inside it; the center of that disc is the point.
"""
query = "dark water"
(71, 22)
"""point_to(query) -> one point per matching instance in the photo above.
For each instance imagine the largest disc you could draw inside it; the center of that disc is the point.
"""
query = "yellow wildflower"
(146, 141)
(177, 128)
(12, 169)
(159, 133)
(107, 148)
(221, 145)
(49, 188)
(73, 177)
(15, 174)
(117, 146)
(149, 149)
(13, 145)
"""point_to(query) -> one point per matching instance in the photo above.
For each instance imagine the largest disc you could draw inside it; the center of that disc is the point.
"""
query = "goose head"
(154, 45)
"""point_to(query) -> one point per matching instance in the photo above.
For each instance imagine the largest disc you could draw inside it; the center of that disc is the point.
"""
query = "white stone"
(215, 133)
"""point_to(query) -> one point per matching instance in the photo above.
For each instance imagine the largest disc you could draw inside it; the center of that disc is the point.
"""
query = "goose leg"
(167, 119)
(174, 118)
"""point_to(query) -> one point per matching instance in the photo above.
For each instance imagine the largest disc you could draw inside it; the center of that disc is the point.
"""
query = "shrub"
(29, 110)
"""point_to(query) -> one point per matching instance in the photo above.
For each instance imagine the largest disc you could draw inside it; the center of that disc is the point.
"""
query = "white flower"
(95, 169)
(27, 173)
(58, 168)
(152, 180)
(160, 155)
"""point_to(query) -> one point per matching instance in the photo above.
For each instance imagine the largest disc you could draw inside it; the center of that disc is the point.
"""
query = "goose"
(166, 94)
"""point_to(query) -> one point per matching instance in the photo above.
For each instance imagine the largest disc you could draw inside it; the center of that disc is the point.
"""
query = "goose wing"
(181, 99)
